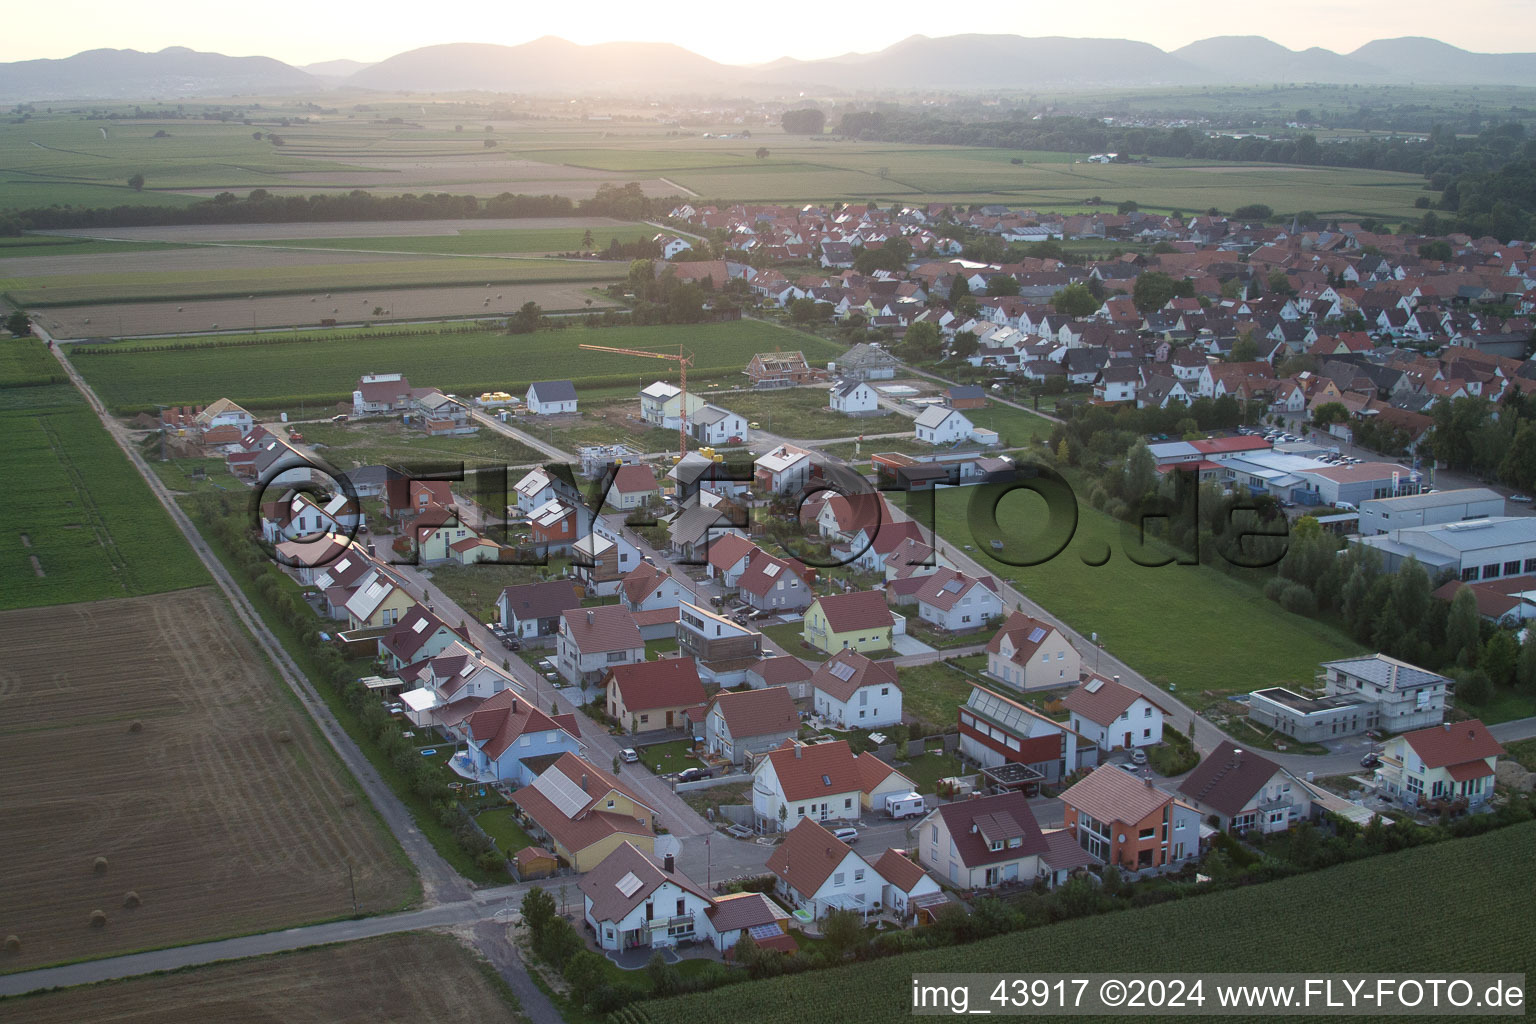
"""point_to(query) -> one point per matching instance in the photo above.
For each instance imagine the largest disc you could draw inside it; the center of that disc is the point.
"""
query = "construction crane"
(684, 360)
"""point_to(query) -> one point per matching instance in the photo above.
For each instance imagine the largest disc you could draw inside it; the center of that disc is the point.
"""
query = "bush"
(1473, 687)
(1297, 599)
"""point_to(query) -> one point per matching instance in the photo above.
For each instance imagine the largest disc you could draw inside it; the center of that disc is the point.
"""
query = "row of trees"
(1495, 442)
(625, 202)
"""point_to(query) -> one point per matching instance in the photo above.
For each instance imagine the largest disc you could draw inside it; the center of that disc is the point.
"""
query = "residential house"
(938, 425)
(1113, 715)
(854, 398)
(1129, 822)
(647, 587)
(1450, 766)
(632, 902)
(650, 695)
(818, 781)
(451, 684)
(786, 671)
(662, 404)
(966, 396)
(380, 394)
(1029, 654)
(551, 397)
(997, 732)
(867, 361)
(879, 780)
(713, 425)
(216, 422)
(603, 558)
(531, 611)
(417, 636)
(851, 692)
(749, 913)
(774, 584)
(781, 370)
(634, 486)
(729, 555)
(906, 886)
(592, 641)
(585, 811)
(1240, 791)
(952, 600)
(507, 735)
(302, 517)
(378, 600)
(860, 621)
(1400, 697)
(817, 872)
(783, 470)
(742, 723)
(982, 843)
(693, 531)
(536, 489)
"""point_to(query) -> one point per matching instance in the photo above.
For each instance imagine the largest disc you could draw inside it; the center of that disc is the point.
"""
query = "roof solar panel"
(628, 884)
(953, 586)
(567, 796)
(843, 671)
(1094, 685)
(764, 931)
(1036, 635)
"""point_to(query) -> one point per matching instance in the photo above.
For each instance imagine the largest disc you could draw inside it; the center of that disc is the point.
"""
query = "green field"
(324, 371)
(61, 245)
(477, 243)
(238, 282)
(804, 413)
(933, 692)
(1189, 625)
(1015, 427)
(373, 441)
(79, 508)
(1348, 918)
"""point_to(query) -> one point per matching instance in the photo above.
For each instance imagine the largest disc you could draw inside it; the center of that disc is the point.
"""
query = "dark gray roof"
(554, 391)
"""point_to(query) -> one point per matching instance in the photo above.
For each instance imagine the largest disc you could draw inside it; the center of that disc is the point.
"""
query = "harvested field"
(136, 319)
(171, 261)
(363, 982)
(149, 732)
(336, 229)
(575, 185)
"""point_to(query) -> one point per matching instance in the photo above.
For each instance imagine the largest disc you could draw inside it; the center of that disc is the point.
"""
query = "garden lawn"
(281, 371)
(369, 442)
(1208, 633)
(668, 758)
(933, 692)
(501, 825)
(926, 771)
(787, 636)
(1015, 427)
(803, 413)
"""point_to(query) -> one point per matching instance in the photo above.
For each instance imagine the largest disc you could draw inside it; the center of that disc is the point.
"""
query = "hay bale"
(100, 865)
(349, 800)
(284, 736)
(131, 900)
(13, 944)
(136, 726)
(98, 919)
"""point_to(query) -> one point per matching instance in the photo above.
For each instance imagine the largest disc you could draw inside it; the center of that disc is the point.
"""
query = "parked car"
(694, 774)
(629, 755)
(511, 643)
(1138, 756)
(847, 834)
(339, 418)
(1522, 499)
(1371, 760)
(1126, 766)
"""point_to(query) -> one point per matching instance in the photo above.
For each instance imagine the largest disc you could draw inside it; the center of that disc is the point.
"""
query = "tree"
(1003, 284)
(1245, 349)
(1075, 300)
(136, 182)
(1461, 629)
(958, 289)
(1152, 292)
(843, 931)
(1438, 249)
(809, 121)
(584, 972)
(586, 239)
(18, 324)
(538, 910)
(1525, 667)
(1500, 655)
(1279, 282)
(762, 152)
(664, 979)
(1140, 474)
(1329, 413)
(745, 951)
(1473, 686)
(921, 342)
(1253, 211)
(526, 319)
(964, 346)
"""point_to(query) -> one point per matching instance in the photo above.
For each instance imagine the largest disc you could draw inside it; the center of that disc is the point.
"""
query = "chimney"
(1117, 680)
(514, 705)
(801, 746)
(589, 616)
(583, 782)
(668, 864)
(1237, 756)
(1146, 777)
(1446, 726)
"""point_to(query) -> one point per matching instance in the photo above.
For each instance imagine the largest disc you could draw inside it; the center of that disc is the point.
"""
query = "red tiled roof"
(1109, 794)
(895, 867)
(501, 719)
(729, 548)
(1105, 702)
(744, 910)
(935, 589)
(541, 600)
(656, 616)
(1227, 781)
(863, 609)
(1440, 746)
(757, 712)
(843, 674)
(801, 777)
(608, 627)
(634, 479)
(668, 683)
(1018, 627)
(998, 818)
(781, 670)
(609, 901)
(808, 856)
(873, 771)
(642, 580)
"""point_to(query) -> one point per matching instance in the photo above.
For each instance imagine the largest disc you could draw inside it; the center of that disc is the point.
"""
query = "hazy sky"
(303, 32)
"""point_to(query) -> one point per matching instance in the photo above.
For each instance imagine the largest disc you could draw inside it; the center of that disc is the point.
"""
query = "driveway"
(906, 646)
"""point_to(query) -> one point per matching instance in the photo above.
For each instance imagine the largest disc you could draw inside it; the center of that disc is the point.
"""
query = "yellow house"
(587, 812)
(435, 531)
(654, 694)
(859, 621)
(379, 601)
(1452, 764)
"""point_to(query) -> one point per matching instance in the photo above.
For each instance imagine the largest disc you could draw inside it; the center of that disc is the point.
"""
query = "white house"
(957, 602)
(1243, 791)
(974, 844)
(742, 722)
(1032, 655)
(1114, 715)
(225, 413)
(784, 469)
(631, 901)
(661, 405)
(671, 245)
(817, 872)
(594, 640)
(535, 490)
(550, 397)
(502, 733)
(938, 425)
(850, 691)
(796, 781)
(301, 516)
(713, 425)
(905, 884)
(853, 398)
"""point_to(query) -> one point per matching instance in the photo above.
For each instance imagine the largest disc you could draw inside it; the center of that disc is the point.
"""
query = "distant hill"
(335, 68)
(1416, 59)
(960, 62)
(1256, 59)
(548, 64)
(131, 74)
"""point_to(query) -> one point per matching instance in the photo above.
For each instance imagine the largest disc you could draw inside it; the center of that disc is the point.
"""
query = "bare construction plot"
(156, 771)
